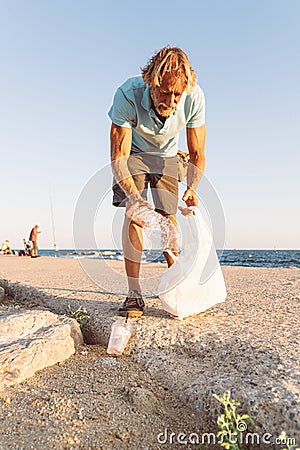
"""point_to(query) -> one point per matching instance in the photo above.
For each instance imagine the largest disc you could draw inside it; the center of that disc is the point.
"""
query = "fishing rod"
(53, 226)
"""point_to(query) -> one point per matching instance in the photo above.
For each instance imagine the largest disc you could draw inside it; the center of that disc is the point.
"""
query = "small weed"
(80, 315)
(231, 424)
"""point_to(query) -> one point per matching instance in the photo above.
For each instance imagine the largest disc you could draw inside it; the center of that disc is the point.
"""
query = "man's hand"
(190, 197)
(186, 211)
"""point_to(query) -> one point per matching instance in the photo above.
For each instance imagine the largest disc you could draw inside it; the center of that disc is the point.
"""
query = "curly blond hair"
(169, 59)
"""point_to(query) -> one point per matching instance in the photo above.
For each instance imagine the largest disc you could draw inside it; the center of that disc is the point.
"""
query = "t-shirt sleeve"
(197, 109)
(122, 112)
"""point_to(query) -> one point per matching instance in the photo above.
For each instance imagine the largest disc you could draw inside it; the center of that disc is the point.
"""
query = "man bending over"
(147, 114)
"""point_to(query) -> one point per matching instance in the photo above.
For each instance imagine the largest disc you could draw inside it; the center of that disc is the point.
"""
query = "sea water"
(248, 258)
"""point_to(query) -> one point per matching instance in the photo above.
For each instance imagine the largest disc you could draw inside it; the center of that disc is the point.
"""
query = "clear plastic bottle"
(121, 330)
(152, 221)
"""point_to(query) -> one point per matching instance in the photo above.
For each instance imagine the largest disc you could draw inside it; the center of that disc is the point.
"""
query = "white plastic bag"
(195, 281)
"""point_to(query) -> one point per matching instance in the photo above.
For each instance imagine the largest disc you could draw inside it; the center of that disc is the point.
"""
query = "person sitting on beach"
(34, 252)
(27, 247)
(5, 248)
(147, 114)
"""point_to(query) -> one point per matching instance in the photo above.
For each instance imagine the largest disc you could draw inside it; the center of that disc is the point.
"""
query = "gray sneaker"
(133, 305)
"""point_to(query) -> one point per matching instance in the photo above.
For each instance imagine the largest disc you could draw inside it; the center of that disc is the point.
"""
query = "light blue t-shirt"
(132, 109)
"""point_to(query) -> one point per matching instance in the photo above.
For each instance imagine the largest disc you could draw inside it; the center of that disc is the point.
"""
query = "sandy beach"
(249, 344)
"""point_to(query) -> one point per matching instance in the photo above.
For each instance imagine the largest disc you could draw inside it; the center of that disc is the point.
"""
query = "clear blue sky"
(61, 62)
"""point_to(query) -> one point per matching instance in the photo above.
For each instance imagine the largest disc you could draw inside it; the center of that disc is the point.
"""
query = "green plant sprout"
(231, 425)
(79, 315)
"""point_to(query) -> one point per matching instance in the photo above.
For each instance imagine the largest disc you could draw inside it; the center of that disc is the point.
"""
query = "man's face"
(166, 96)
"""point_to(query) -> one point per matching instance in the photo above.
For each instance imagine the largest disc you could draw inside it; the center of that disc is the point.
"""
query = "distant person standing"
(33, 239)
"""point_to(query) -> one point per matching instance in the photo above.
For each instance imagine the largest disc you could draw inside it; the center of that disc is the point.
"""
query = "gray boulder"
(32, 340)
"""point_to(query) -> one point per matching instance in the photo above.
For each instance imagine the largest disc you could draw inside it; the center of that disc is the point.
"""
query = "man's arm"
(196, 143)
(120, 146)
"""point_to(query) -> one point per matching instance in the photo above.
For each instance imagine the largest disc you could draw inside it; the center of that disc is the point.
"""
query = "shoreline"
(231, 258)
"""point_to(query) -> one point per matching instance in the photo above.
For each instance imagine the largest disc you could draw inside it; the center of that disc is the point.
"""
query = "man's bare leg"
(133, 247)
(167, 256)
(132, 239)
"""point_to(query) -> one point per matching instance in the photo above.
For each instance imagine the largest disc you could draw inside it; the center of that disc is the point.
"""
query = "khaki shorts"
(160, 173)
